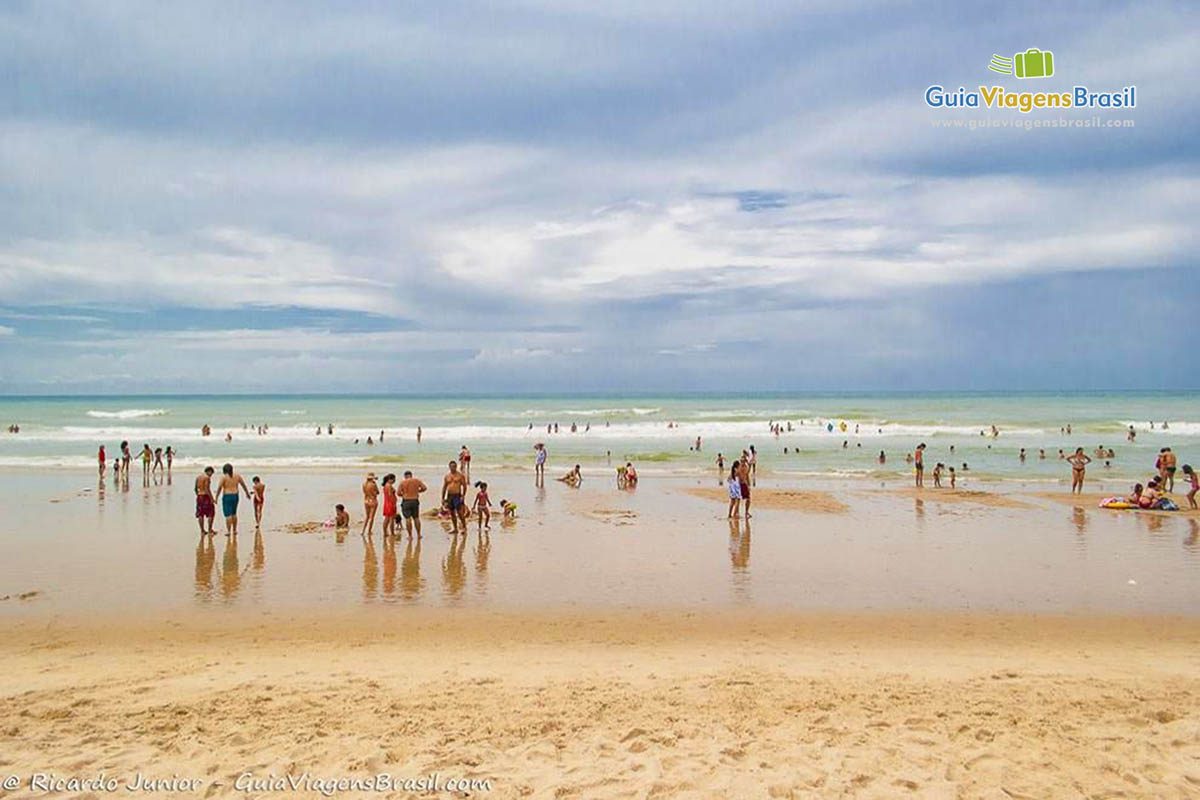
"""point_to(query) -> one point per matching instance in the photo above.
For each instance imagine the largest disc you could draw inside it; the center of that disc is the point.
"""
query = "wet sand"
(625, 704)
(844, 545)
(780, 500)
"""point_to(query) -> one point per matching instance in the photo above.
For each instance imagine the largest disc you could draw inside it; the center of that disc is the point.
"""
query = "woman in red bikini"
(389, 504)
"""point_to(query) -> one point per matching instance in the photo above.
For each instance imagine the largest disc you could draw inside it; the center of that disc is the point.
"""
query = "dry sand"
(780, 499)
(619, 705)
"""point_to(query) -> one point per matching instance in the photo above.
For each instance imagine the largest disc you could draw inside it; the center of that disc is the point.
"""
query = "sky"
(578, 196)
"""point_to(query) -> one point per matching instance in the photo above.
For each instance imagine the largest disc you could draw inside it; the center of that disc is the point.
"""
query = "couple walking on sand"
(740, 474)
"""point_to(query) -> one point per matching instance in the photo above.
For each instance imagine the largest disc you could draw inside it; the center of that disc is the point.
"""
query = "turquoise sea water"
(658, 432)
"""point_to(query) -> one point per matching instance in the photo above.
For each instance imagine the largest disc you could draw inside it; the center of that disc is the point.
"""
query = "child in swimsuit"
(482, 505)
(1195, 484)
(508, 509)
(260, 499)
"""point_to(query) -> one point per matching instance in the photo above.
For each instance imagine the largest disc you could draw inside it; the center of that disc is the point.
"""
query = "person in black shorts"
(410, 501)
(454, 486)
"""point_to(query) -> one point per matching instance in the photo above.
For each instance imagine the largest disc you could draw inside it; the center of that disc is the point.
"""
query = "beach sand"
(1092, 500)
(780, 499)
(622, 704)
(948, 495)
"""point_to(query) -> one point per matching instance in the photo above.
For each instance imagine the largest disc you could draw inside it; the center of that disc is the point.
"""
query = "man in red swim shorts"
(205, 508)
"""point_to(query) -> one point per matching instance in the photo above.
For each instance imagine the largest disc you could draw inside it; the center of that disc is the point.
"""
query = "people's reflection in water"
(919, 510)
(101, 488)
(1079, 519)
(454, 571)
(739, 545)
(389, 566)
(260, 554)
(370, 569)
(483, 548)
(231, 576)
(1191, 541)
(206, 558)
(410, 571)
(1153, 522)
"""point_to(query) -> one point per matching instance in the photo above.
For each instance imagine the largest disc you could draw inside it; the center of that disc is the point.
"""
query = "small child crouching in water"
(508, 510)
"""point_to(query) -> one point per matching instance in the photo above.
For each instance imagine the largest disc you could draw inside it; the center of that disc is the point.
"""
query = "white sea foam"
(128, 413)
(292, 412)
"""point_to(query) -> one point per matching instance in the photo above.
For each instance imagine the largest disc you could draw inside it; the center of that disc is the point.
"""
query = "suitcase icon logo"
(1033, 63)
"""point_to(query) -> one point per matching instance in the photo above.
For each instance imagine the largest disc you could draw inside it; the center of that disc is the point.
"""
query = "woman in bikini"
(370, 491)
(1079, 462)
(389, 505)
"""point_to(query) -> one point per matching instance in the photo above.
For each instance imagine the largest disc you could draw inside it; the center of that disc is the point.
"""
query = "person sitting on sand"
(341, 517)
(1149, 497)
(1079, 461)
(573, 477)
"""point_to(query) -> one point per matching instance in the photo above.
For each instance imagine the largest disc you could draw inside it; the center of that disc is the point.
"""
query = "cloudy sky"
(559, 196)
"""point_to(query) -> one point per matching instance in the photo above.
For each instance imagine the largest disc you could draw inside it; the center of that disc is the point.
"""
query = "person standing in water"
(389, 505)
(102, 458)
(410, 501)
(260, 500)
(454, 487)
(919, 464)
(204, 500)
(1079, 461)
(227, 491)
(539, 466)
(370, 491)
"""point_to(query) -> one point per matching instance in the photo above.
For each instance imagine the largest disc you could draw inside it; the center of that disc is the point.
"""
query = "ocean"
(830, 434)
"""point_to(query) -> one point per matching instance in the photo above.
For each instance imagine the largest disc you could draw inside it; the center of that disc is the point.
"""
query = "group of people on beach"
(402, 501)
(154, 462)
(228, 487)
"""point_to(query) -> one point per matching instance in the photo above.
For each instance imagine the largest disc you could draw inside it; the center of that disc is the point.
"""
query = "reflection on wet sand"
(739, 557)
(389, 567)
(231, 576)
(370, 574)
(411, 582)
(483, 548)
(206, 556)
(1079, 519)
(1191, 541)
(454, 571)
